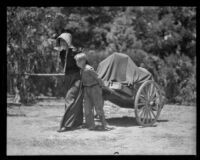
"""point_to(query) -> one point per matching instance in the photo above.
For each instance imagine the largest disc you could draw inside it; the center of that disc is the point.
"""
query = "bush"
(187, 82)
(178, 74)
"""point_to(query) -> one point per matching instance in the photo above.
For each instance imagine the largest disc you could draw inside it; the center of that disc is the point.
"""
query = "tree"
(122, 35)
(155, 36)
(29, 29)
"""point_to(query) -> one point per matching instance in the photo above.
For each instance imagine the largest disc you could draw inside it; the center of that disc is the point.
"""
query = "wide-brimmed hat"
(67, 37)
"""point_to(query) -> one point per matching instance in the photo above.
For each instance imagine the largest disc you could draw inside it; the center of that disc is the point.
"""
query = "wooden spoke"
(149, 91)
(150, 116)
(147, 116)
(141, 103)
(146, 91)
(144, 116)
(143, 110)
(153, 92)
(154, 98)
(152, 112)
(151, 88)
(140, 110)
(142, 98)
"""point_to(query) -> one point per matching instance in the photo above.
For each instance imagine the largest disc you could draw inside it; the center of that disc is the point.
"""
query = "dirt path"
(35, 133)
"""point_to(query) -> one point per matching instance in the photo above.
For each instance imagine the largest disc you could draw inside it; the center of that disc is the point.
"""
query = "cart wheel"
(148, 103)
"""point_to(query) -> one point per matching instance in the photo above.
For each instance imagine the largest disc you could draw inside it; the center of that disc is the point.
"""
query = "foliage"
(162, 38)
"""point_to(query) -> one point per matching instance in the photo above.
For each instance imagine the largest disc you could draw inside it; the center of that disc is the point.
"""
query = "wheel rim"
(147, 103)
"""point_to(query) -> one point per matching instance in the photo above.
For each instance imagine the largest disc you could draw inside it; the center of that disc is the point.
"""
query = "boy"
(92, 92)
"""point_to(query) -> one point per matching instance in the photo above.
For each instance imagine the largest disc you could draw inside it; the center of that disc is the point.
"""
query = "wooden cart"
(146, 99)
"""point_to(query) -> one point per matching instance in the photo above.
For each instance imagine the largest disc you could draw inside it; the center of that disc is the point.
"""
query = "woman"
(73, 116)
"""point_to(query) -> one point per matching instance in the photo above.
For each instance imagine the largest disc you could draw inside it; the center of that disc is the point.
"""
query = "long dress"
(73, 116)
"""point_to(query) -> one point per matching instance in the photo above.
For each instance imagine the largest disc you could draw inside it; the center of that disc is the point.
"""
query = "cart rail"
(40, 74)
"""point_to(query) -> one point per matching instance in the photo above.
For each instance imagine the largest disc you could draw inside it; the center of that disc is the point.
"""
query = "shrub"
(178, 75)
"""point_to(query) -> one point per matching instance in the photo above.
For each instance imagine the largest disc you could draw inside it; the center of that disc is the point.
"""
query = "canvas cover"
(119, 67)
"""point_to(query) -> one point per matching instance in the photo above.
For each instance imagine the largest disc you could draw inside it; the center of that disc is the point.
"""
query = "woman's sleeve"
(62, 57)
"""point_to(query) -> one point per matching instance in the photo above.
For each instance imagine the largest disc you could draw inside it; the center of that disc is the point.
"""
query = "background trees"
(163, 38)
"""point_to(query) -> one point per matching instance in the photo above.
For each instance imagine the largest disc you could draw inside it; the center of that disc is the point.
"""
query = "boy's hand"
(103, 86)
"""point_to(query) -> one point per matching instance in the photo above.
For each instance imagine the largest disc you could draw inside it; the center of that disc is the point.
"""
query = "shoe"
(81, 127)
(63, 129)
(92, 128)
(101, 128)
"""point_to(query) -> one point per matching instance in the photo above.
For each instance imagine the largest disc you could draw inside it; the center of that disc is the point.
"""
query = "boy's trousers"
(93, 98)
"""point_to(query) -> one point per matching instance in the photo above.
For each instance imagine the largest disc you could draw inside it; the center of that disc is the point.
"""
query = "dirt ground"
(36, 132)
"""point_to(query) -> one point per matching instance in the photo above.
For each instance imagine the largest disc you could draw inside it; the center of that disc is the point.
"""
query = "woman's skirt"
(73, 116)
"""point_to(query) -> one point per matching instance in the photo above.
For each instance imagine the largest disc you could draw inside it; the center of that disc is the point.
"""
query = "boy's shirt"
(90, 77)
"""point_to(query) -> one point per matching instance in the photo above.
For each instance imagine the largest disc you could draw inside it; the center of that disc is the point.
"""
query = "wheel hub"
(151, 103)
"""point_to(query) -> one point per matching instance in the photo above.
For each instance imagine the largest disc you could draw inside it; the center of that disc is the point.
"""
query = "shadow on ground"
(162, 120)
(127, 121)
(122, 121)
